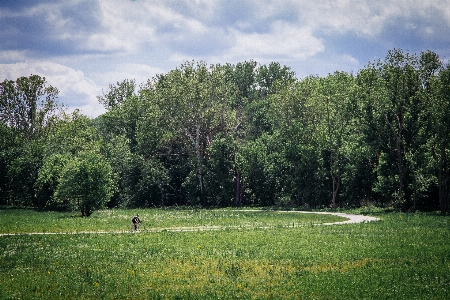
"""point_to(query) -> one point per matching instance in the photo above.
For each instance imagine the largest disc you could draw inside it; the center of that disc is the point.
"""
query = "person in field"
(136, 221)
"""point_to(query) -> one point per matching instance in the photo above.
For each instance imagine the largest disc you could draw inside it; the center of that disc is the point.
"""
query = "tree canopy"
(233, 135)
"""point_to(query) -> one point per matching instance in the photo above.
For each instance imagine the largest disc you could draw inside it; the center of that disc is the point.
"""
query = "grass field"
(255, 255)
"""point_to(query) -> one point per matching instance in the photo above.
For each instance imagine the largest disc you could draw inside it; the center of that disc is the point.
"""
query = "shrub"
(86, 183)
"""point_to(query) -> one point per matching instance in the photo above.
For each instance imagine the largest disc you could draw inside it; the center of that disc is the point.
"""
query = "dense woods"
(236, 135)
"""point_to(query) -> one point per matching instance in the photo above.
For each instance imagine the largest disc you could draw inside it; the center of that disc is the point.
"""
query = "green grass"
(403, 256)
(27, 221)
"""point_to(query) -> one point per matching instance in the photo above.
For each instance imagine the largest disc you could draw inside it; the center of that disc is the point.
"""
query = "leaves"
(244, 134)
(85, 183)
(27, 104)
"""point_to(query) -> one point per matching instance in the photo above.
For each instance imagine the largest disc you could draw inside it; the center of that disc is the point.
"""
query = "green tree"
(118, 94)
(194, 101)
(28, 107)
(219, 178)
(28, 104)
(268, 76)
(69, 136)
(392, 97)
(124, 110)
(335, 94)
(7, 144)
(23, 167)
(48, 179)
(243, 77)
(296, 119)
(436, 80)
(86, 183)
(268, 81)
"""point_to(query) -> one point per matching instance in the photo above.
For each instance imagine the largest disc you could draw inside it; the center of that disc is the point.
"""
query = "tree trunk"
(443, 180)
(237, 189)
(398, 140)
(196, 142)
(400, 173)
(336, 180)
(163, 196)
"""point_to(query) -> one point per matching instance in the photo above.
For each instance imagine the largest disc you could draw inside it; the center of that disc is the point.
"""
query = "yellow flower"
(96, 283)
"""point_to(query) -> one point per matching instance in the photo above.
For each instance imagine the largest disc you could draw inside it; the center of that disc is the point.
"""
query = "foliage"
(85, 183)
(27, 104)
(28, 107)
(243, 135)
(48, 179)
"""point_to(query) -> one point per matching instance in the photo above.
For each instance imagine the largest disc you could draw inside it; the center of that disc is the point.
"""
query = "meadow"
(248, 255)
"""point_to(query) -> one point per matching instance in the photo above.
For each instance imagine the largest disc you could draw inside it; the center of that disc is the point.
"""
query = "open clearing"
(224, 254)
(352, 219)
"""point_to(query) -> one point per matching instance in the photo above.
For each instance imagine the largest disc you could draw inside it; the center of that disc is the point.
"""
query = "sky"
(83, 46)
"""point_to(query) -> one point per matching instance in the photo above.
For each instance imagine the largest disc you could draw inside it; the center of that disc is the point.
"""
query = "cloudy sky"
(83, 46)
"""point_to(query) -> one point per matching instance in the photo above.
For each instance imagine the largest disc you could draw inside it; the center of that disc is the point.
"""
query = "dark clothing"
(136, 221)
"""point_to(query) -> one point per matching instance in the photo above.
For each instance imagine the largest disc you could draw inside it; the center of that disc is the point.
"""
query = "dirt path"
(352, 219)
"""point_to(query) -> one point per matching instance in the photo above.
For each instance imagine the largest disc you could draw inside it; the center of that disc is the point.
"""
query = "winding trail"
(352, 219)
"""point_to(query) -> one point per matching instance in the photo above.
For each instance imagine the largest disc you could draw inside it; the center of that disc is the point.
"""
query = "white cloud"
(106, 42)
(76, 90)
(130, 25)
(83, 46)
(283, 41)
(140, 72)
(364, 17)
(13, 55)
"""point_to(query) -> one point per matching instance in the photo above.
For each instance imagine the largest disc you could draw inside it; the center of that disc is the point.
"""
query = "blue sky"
(83, 46)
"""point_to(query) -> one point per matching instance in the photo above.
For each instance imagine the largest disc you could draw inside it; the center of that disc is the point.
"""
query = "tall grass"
(403, 256)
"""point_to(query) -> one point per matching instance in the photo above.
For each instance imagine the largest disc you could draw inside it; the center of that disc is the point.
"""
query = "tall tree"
(27, 104)
(335, 98)
(296, 122)
(70, 135)
(436, 81)
(243, 77)
(194, 101)
(27, 108)
(392, 93)
(118, 93)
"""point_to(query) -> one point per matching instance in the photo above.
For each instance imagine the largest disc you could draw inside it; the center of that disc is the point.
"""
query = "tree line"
(236, 135)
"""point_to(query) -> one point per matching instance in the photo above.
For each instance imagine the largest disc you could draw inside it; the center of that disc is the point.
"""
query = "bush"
(86, 183)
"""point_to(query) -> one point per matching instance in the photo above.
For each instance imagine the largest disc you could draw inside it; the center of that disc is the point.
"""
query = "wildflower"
(96, 283)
